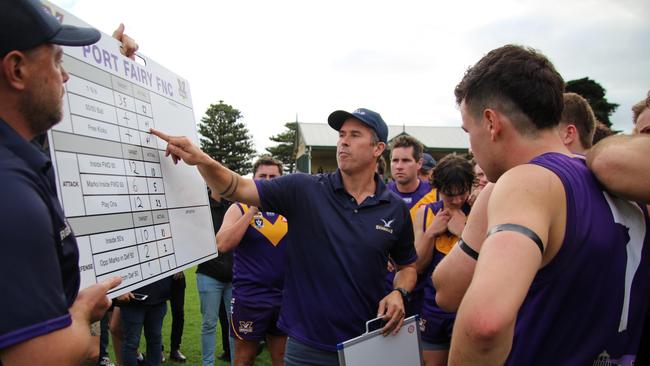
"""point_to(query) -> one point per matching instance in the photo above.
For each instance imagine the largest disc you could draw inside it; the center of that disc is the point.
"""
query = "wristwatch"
(406, 296)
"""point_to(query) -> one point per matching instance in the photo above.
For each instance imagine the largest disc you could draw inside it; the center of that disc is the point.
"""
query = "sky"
(282, 61)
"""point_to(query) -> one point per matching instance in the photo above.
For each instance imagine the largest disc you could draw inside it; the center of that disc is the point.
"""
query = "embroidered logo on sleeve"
(66, 231)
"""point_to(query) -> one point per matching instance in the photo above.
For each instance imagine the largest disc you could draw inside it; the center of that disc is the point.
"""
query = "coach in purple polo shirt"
(342, 228)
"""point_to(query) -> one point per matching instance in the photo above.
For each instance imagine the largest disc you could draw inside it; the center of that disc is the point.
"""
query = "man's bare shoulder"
(531, 178)
(524, 189)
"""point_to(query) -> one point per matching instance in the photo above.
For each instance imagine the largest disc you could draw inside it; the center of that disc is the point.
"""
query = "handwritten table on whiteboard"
(134, 214)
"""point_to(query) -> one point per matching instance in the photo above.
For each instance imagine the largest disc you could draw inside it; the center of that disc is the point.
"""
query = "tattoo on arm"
(232, 179)
(235, 178)
(95, 330)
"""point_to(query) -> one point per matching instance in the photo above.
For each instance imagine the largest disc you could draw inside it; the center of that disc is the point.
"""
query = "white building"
(316, 143)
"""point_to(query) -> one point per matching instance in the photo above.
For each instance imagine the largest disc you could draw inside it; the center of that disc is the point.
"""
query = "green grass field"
(191, 345)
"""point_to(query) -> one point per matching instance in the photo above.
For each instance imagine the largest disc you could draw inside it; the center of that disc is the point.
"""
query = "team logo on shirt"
(423, 324)
(407, 200)
(259, 223)
(603, 360)
(272, 230)
(386, 226)
(258, 220)
(245, 327)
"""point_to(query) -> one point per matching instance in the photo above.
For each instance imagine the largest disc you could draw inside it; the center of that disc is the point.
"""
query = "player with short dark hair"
(259, 240)
(577, 123)
(552, 232)
(406, 154)
(267, 160)
(406, 160)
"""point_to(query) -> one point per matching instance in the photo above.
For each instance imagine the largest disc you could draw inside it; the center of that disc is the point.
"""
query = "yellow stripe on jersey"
(274, 232)
(425, 200)
(444, 242)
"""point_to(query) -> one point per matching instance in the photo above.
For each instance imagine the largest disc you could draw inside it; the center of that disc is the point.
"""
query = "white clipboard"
(372, 348)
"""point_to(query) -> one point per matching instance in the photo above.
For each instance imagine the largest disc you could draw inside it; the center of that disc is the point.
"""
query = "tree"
(225, 139)
(595, 95)
(285, 149)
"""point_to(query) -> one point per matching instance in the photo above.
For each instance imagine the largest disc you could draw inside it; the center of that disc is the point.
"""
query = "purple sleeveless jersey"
(259, 260)
(430, 307)
(587, 306)
(422, 196)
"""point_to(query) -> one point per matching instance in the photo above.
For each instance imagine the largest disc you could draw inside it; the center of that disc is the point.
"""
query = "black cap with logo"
(26, 24)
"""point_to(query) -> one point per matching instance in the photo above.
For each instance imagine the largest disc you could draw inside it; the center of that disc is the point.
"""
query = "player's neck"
(408, 187)
(577, 148)
(525, 149)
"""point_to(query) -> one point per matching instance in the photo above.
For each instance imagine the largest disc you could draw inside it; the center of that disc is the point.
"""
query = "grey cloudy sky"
(274, 60)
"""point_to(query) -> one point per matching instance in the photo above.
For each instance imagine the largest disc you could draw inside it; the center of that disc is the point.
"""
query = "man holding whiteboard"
(342, 228)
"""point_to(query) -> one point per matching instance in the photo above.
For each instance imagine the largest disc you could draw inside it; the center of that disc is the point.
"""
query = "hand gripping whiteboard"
(372, 348)
(133, 213)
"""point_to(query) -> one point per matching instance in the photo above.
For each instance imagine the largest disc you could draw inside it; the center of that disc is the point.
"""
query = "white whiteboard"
(372, 348)
(134, 215)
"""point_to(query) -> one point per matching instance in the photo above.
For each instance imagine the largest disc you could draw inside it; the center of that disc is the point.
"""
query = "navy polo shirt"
(337, 256)
(39, 264)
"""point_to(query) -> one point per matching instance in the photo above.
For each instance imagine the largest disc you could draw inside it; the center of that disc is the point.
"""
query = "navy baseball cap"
(428, 162)
(26, 24)
(370, 118)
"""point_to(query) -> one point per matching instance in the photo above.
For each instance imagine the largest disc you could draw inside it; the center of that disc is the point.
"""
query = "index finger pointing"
(112, 282)
(160, 134)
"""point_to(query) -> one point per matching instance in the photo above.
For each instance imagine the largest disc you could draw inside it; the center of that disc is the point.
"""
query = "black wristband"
(406, 296)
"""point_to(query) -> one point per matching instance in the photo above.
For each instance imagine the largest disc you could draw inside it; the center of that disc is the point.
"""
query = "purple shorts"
(253, 321)
(436, 330)
(414, 306)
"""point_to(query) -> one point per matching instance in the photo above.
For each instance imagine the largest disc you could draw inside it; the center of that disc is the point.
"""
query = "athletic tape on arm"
(467, 249)
(519, 229)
